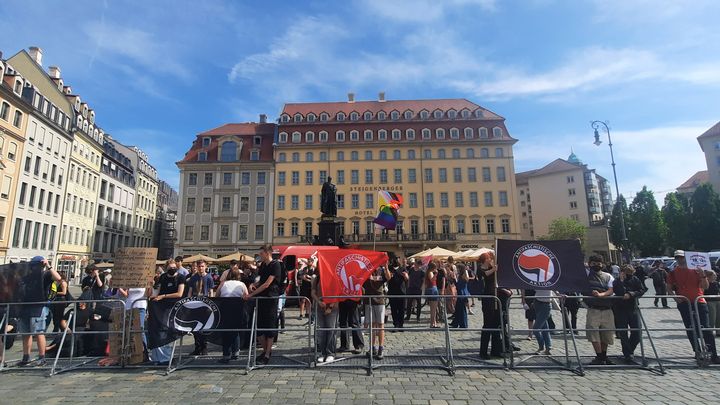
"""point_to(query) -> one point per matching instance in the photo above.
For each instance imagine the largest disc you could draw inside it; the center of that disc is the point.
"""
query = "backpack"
(283, 282)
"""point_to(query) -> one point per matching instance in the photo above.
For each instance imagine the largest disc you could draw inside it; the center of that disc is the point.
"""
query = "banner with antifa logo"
(541, 265)
(170, 319)
(343, 272)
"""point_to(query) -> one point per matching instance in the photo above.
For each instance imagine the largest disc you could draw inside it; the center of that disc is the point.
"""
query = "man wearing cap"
(689, 284)
(33, 318)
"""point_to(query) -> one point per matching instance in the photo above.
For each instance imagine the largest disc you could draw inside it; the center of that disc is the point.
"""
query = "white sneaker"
(320, 359)
(329, 359)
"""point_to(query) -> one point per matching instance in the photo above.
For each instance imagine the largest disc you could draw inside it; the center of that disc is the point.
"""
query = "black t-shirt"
(265, 271)
(397, 285)
(90, 282)
(489, 282)
(170, 284)
(416, 278)
(441, 278)
(35, 294)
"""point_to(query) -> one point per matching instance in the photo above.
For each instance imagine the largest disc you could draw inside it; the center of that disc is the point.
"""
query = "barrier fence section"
(705, 335)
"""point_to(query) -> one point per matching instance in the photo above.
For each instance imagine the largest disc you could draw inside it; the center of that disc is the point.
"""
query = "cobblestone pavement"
(393, 385)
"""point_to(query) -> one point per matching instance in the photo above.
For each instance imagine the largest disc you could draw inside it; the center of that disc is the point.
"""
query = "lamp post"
(595, 125)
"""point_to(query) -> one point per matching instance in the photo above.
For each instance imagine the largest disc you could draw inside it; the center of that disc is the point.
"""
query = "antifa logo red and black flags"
(541, 265)
(169, 319)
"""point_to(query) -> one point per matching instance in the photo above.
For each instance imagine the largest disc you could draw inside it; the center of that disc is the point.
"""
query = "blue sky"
(159, 72)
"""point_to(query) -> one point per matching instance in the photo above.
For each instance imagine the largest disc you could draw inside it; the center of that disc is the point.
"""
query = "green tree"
(705, 218)
(616, 226)
(676, 216)
(566, 228)
(647, 224)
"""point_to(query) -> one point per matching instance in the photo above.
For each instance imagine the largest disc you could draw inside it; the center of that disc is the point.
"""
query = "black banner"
(169, 319)
(541, 265)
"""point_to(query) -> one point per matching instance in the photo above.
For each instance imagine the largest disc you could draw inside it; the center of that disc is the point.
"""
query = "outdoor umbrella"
(195, 258)
(242, 257)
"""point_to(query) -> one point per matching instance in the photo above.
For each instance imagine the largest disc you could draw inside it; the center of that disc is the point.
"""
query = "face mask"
(171, 271)
(596, 268)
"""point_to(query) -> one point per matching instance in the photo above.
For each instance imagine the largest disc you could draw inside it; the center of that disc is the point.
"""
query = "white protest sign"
(698, 260)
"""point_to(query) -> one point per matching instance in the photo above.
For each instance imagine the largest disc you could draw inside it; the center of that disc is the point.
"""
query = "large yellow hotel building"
(450, 159)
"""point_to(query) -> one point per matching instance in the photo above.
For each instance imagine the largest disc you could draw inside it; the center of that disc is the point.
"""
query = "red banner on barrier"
(343, 272)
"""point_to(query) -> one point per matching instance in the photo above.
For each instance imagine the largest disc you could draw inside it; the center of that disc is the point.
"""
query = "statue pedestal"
(329, 229)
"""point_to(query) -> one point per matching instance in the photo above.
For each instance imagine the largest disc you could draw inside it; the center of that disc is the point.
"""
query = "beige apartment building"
(450, 159)
(710, 143)
(226, 190)
(565, 189)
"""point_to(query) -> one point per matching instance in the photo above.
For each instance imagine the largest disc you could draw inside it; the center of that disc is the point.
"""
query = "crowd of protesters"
(441, 290)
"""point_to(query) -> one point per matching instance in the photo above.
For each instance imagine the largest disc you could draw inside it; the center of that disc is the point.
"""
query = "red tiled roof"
(244, 131)
(713, 131)
(375, 106)
(697, 179)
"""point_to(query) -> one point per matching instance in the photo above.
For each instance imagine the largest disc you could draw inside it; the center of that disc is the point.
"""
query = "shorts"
(378, 313)
(431, 291)
(267, 317)
(34, 324)
(600, 319)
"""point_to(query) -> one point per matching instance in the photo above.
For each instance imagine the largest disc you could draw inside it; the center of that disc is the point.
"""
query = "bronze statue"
(328, 198)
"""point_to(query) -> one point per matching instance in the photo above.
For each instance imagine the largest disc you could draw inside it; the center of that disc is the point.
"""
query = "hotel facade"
(450, 159)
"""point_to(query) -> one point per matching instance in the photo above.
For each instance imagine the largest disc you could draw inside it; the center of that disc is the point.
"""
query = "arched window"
(382, 135)
(424, 114)
(368, 135)
(309, 136)
(323, 136)
(452, 114)
(484, 153)
(340, 136)
(469, 133)
(5, 111)
(324, 117)
(454, 133)
(411, 154)
(311, 117)
(228, 151)
(368, 155)
(465, 113)
(426, 134)
(394, 115)
(383, 155)
(408, 115)
(340, 116)
(396, 154)
(497, 132)
(441, 153)
(478, 113)
(296, 136)
(296, 157)
(437, 114)
(354, 135)
(440, 133)
(354, 155)
(396, 134)
(470, 152)
(410, 134)
(282, 157)
(308, 156)
(340, 155)
(285, 118)
(367, 116)
(381, 115)
(297, 117)
(499, 152)
(282, 137)
(354, 116)
(483, 133)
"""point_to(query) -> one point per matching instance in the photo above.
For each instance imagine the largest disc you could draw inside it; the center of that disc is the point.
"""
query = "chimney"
(351, 97)
(381, 97)
(263, 118)
(36, 54)
(54, 72)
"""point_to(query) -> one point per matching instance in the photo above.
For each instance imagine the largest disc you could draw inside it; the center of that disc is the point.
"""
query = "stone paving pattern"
(428, 385)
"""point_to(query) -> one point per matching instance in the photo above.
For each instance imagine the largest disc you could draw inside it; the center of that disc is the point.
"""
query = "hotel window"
(204, 232)
(475, 223)
(308, 228)
(396, 134)
(383, 155)
(226, 204)
(483, 133)
(497, 132)
(354, 176)
(244, 204)
(437, 114)
(411, 154)
(472, 174)
(369, 201)
(490, 225)
(414, 227)
(412, 176)
(324, 117)
(309, 136)
(354, 155)
(309, 156)
(341, 156)
(442, 174)
(503, 197)
(280, 229)
(227, 179)
(499, 152)
(340, 136)
(294, 202)
(431, 228)
(501, 174)
(206, 204)
(444, 203)
(295, 179)
(410, 134)
(428, 176)
(397, 176)
(460, 225)
(382, 135)
(445, 226)
(454, 133)
(242, 232)
(457, 175)
(413, 200)
(323, 136)
(484, 153)
(440, 133)
(429, 200)
(259, 232)
(308, 177)
(426, 134)
(323, 176)
(368, 155)
(355, 201)
(427, 153)
(224, 232)
(368, 135)
(505, 225)
(308, 201)
(189, 232)
(383, 176)
(441, 153)
(367, 116)
(368, 176)
(354, 135)
(296, 137)
(282, 157)
(488, 199)
(281, 202)
(340, 178)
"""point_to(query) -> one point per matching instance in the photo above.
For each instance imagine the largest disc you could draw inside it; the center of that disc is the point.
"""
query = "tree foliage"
(648, 229)
(566, 228)
(676, 216)
(705, 218)
(616, 226)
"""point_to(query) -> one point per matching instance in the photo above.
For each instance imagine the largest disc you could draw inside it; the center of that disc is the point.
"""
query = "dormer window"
(408, 115)
(396, 134)
(340, 116)
(394, 115)
(437, 114)
(228, 151)
(452, 114)
(426, 134)
(324, 117)
(323, 136)
(257, 141)
(340, 136)
(282, 137)
(483, 133)
(202, 156)
(478, 113)
(206, 142)
(424, 114)
(382, 135)
(296, 137)
(285, 118)
(18, 87)
(440, 133)
(354, 116)
(465, 113)
(381, 115)
(85, 111)
(254, 155)
(311, 117)
(497, 132)
(310, 137)
(367, 116)
(297, 117)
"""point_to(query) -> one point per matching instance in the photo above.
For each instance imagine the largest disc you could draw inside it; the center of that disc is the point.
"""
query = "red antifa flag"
(343, 272)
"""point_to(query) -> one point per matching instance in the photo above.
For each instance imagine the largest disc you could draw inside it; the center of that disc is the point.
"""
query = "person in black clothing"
(268, 287)
(659, 278)
(570, 315)
(171, 284)
(416, 276)
(491, 311)
(397, 287)
(627, 314)
(92, 281)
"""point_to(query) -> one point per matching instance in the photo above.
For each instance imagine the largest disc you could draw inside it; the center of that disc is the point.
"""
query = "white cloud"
(421, 10)
(661, 157)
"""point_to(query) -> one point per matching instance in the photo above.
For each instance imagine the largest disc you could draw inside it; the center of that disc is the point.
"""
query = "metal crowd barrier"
(704, 334)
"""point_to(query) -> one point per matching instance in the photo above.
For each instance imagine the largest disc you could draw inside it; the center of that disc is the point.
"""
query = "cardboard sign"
(134, 267)
(697, 260)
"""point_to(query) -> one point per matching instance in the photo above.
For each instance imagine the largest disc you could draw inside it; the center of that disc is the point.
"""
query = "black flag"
(541, 265)
(169, 319)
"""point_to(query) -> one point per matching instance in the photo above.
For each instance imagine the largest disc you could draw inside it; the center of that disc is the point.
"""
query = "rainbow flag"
(388, 207)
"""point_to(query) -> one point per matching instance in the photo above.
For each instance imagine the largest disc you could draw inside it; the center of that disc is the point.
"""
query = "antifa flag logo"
(536, 265)
(350, 269)
(194, 314)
